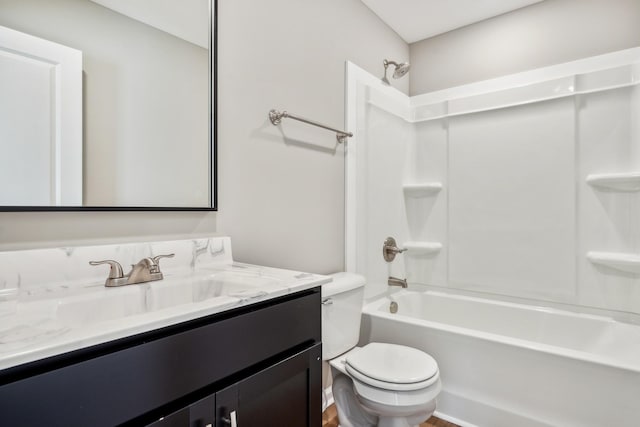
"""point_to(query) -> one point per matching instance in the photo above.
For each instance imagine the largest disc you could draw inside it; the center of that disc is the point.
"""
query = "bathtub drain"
(393, 307)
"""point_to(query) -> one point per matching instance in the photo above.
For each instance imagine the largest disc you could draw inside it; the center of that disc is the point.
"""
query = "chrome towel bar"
(276, 117)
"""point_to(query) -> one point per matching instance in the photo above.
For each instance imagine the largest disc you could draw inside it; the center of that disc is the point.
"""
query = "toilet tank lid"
(342, 282)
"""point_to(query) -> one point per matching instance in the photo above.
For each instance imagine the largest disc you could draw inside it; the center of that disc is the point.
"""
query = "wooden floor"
(330, 419)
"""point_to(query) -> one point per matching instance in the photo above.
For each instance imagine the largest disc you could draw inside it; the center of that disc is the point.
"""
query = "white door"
(40, 122)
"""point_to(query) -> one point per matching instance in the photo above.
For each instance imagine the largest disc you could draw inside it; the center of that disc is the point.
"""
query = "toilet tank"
(341, 313)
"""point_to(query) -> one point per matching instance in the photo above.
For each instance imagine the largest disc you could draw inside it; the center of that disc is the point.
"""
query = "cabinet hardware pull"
(232, 420)
(327, 301)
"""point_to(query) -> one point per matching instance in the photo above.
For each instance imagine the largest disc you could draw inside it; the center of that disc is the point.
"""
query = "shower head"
(401, 69)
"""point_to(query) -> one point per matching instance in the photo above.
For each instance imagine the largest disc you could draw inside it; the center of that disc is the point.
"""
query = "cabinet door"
(199, 414)
(287, 394)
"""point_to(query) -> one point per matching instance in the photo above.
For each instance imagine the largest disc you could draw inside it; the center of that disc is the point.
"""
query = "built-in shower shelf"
(422, 248)
(422, 190)
(615, 181)
(626, 262)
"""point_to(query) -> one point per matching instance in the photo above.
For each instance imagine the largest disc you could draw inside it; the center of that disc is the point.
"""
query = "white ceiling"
(186, 19)
(416, 20)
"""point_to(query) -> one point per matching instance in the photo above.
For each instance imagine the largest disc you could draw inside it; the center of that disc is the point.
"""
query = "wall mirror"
(107, 105)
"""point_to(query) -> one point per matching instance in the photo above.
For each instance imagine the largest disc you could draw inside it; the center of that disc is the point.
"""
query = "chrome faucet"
(146, 270)
(394, 281)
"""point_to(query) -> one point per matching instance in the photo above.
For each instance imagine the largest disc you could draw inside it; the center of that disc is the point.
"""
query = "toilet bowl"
(379, 384)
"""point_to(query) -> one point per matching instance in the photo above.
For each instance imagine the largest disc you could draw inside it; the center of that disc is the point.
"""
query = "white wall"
(280, 198)
(546, 33)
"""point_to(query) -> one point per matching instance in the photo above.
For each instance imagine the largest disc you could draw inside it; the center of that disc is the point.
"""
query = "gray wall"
(282, 188)
(280, 195)
(546, 33)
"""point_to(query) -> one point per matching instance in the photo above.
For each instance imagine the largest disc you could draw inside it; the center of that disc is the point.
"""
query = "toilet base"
(356, 411)
(413, 421)
(350, 413)
(419, 414)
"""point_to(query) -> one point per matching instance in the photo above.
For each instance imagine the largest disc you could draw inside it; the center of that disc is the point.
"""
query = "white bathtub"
(513, 365)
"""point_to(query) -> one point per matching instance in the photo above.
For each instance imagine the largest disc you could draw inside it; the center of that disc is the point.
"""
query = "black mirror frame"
(213, 142)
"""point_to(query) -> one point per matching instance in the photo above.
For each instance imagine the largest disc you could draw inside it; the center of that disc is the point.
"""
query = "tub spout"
(394, 281)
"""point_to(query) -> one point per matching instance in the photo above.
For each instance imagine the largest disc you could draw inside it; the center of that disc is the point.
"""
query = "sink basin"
(169, 293)
(101, 305)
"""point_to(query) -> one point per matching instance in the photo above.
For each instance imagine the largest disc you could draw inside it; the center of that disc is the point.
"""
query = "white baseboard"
(453, 420)
(327, 398)
(481, 413)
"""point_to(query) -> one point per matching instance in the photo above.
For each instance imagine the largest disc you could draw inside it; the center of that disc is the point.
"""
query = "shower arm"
(386, 63)
(386, 66)
(276, 117)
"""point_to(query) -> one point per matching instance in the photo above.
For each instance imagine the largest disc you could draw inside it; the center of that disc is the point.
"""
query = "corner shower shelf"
(626, 262)
(422, 190)
(422, 248)
(616, 181)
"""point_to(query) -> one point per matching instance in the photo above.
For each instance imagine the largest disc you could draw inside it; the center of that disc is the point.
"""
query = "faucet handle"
(155, 268)
(158, 257)
(115, 272)
(390, 249)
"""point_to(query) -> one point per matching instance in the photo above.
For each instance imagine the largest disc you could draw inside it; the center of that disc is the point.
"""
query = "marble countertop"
(53, 320)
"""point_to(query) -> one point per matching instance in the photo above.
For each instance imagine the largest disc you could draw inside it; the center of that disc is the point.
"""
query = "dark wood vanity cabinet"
(278, 396)
(260, 364)
(198, 414)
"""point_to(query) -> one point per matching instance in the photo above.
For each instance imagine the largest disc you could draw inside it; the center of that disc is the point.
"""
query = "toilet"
(379, 384)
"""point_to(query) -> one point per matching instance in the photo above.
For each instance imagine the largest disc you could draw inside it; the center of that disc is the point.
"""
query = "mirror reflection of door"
(40, 122)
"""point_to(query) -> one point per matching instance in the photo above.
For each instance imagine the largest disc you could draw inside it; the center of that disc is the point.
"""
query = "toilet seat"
(392, 367)
(390, 386)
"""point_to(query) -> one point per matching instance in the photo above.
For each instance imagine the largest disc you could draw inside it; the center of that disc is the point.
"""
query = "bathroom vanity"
(241, 348)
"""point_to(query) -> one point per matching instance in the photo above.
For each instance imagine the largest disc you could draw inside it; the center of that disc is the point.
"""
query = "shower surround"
(521, 190)
(525, 187)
